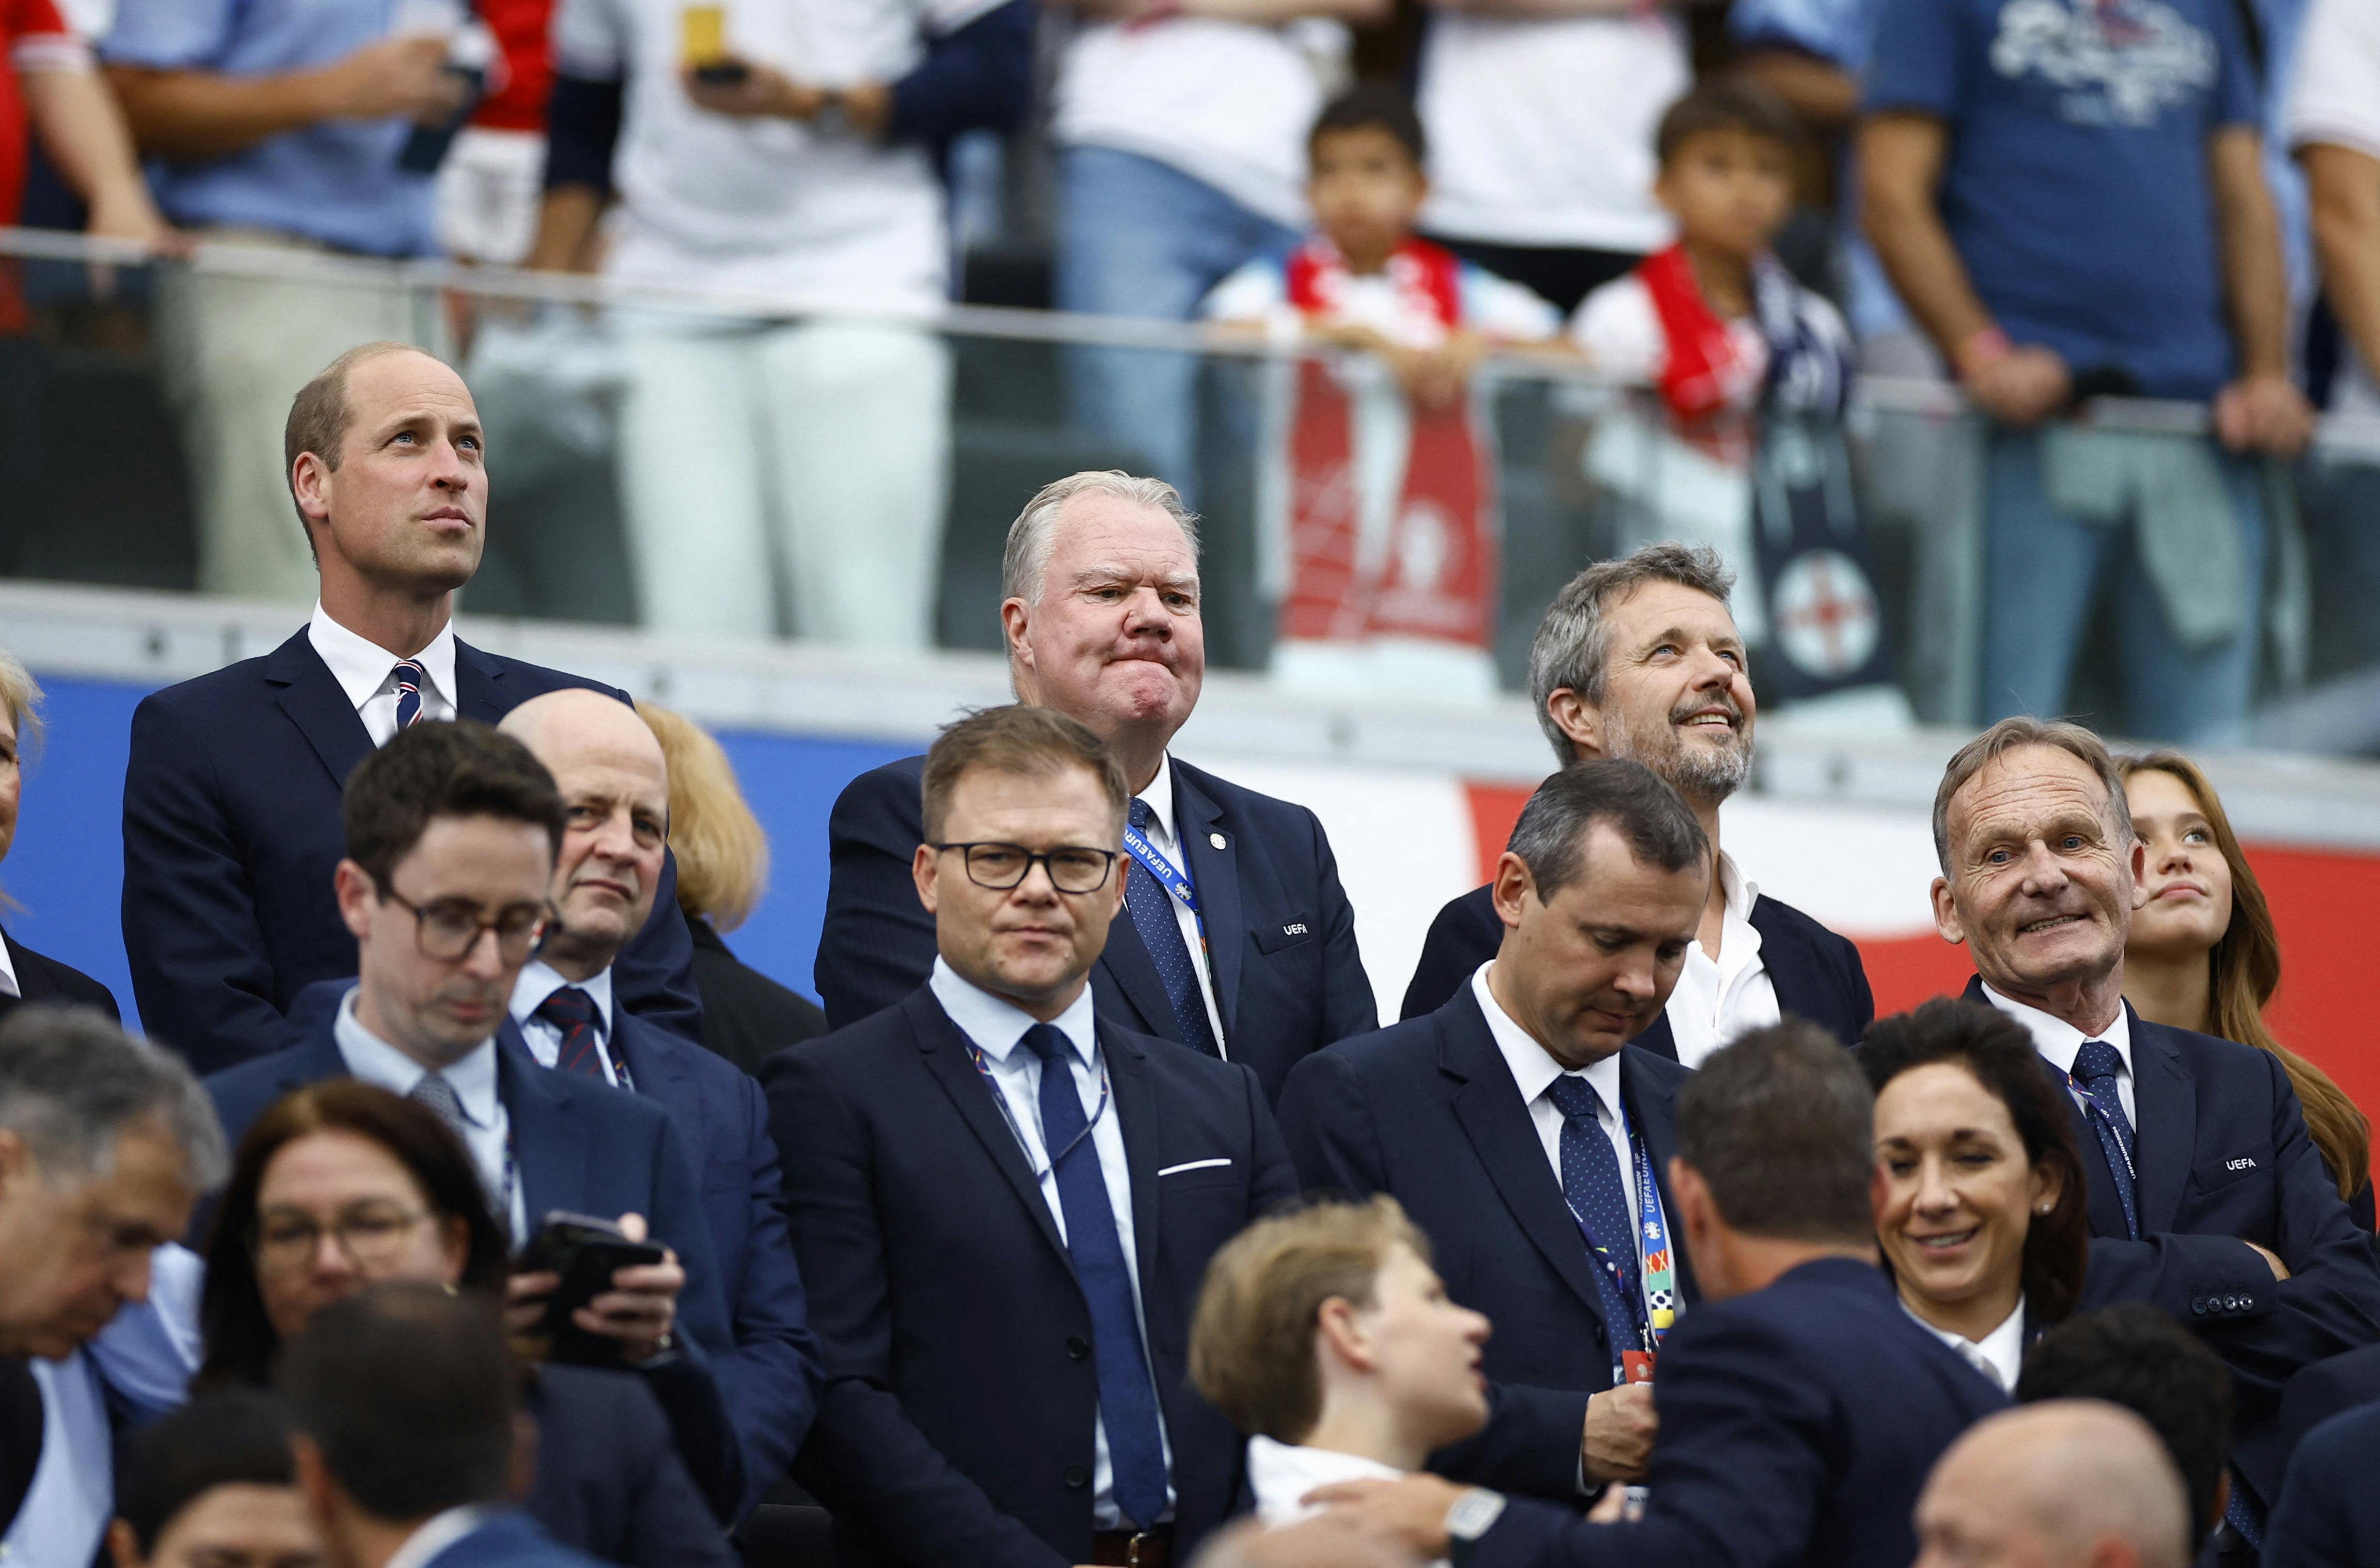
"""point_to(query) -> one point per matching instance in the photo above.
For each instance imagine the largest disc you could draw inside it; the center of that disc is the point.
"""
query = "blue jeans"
(1137, 238)
(2042, 573)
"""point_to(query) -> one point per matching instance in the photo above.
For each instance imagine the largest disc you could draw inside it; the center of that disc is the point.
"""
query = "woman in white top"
(1983, 1214)
(1324, 1334)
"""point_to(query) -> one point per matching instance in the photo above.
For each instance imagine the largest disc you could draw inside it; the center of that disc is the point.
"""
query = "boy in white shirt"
(1325, 1335)
(1380, 494)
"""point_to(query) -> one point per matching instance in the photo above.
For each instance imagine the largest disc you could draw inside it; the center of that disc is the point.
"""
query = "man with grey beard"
(1639, 658)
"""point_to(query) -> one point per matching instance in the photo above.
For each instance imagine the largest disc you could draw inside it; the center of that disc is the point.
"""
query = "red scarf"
(1438, 579)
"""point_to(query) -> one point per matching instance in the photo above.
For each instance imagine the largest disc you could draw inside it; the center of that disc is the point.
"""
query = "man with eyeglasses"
(451, 832)
(1003, 1206)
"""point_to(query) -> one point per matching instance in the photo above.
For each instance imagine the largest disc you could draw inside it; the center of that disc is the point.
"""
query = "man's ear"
(314, 1480)
(2139, 861)
(353, 886)
(1579, 721)
(1336, 1331)
(924, 868)
(309, 483)
(123, 1548)
(1946, 913)
(1511, 889)
(1016, 624)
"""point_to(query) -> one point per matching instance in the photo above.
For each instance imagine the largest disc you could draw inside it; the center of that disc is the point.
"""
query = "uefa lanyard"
(1653, 1308)
(1001, 1098)
(1170, 877)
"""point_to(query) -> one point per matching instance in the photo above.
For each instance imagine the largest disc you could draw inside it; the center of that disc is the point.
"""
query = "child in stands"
(1380, 488)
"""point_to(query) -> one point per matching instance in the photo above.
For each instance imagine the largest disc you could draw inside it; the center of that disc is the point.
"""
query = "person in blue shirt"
(279, 123)
(2068, 196)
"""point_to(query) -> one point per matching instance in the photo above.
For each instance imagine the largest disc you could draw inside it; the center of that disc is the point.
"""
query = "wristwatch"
(1468, 1518)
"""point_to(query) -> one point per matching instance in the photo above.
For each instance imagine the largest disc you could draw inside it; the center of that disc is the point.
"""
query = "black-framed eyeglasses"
(1072, 867)
(447, 929)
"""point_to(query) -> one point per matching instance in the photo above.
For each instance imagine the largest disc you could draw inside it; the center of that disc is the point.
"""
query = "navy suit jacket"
(1427, 1112)
(609, 1480)
(1288, 980)
(2329, 1511)
(1798, 1425)
(511, 1539)
(961, 1391)
(2222, 1157)
(1817, 974)
(232, 830)
(2323, 1389)
(42, 979)
(584, 1147)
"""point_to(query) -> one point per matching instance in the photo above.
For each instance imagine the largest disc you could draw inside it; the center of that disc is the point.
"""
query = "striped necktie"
(410, 677)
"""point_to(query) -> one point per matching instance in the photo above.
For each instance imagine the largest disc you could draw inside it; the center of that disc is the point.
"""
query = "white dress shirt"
(539, 980)
(437, 1533)
(1533, 1071)
(1168, 842)
(997, 1026)
(1281, 1473)
(66, 1510)
(2059, 1043)
(8, 973)
(1719, 999)
(488, 1129)
(367, 673)
(1999, 1355)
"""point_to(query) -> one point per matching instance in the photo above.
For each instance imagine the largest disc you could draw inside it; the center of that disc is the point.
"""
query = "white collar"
(539, 980)
(1280, 1474)
(1533, 1067)
(1739, 891)
(438, 1532)
(2002, 1350)
(374, 1061)
(996, 1025)
(1160, 796)
(2059, 1041)
(362, 666)
(8, 981)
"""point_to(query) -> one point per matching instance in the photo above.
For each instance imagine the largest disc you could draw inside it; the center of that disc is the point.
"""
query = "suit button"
(1077, 1477)
(1077, 1346)
(2198, 1304)
(2235, 1303)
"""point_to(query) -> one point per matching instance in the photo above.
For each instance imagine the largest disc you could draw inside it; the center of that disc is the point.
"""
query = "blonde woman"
(2203, 955)
(25, 974)
(723, 869)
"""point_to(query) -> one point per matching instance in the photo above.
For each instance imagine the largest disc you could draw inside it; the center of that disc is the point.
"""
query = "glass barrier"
(715, 466)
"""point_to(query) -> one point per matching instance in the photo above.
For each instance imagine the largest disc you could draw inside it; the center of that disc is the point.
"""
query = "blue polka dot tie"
(1592, 1184)
(2095, 1066)
(1161, 932)
(410, 677)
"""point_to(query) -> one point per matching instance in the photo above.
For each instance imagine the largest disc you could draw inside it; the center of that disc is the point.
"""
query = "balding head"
(2069, 1483)
(614, 785)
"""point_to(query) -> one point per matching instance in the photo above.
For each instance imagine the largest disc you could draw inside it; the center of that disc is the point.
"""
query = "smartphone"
(586, 1252)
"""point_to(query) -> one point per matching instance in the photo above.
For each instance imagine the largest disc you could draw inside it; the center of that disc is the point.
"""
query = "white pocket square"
(1190, 1165)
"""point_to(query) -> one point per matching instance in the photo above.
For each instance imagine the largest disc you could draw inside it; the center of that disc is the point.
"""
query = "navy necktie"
(575, 1017)
(1593, 1185)
(1161, 932)
(1127, 1395)
(2095, 1066)
(409, 679)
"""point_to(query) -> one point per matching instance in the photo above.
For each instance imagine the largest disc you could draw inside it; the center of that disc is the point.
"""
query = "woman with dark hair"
(341, 1184)
(2203, 955)
(1983, 1212)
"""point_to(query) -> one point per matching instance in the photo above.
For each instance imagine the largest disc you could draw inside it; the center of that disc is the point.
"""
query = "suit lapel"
(1216, 874)
(32, 982)
(549, 1144)
(1782, 959)
(1652, 1106)
(1496, 1122)
(2165, 1123)
(479, 678)
(944, 1049)
(316, 703)
(1136, 1105)
(660, 1073)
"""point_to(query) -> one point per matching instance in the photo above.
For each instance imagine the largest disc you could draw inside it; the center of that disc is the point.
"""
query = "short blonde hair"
(22, 694)
(722, 851)
(1251, 1341)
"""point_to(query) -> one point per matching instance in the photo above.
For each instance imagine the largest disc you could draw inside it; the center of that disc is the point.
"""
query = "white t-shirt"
(1619, 332)
(2335, 98)
(1226, 103)
(813, 212)
(1491, 306)
(1541, 132)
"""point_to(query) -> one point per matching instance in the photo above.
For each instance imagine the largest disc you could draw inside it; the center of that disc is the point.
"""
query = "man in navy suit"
(2329, 1514)
(231, 795)
(1800, 1406)
(2205, 1195)
(1640, 658)
(451, 830)
(403, 1399)
(1004, 1204)
(1240, 943)
(1528, 1139)
(615, 787)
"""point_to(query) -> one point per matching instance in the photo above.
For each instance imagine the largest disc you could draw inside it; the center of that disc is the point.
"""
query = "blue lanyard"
(1170, 877)
(1653, 1307)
